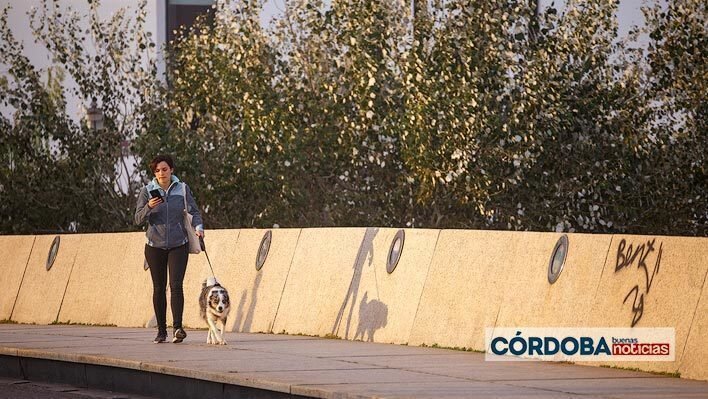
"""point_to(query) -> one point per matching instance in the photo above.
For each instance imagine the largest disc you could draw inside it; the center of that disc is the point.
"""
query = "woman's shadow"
(366, 250)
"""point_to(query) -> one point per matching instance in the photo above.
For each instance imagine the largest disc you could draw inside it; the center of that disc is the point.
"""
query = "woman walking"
(161, 203)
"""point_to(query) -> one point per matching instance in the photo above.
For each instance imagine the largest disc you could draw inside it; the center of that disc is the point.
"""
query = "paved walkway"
(323, 368)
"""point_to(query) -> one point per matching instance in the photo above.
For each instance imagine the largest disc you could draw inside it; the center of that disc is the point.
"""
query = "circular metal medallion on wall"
(53, 252)
(394, 253)
(557, 262)
(263, 249)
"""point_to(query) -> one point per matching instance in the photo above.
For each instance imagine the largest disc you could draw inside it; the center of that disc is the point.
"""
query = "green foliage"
(220, 114)
(57, 174)
(677, 128)
(463, 114)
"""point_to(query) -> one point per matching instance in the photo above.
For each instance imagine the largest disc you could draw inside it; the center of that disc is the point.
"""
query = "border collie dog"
(214, 307)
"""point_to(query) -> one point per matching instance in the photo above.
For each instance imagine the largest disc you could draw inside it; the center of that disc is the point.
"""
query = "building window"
(184, 12)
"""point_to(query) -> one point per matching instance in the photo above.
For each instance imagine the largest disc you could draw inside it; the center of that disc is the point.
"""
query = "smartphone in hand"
(156, 194)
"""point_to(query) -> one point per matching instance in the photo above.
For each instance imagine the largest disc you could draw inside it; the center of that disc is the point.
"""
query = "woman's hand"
(200, 233)
(155, 201)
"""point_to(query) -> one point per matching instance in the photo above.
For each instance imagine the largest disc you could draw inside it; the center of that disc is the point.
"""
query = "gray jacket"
(166, 221)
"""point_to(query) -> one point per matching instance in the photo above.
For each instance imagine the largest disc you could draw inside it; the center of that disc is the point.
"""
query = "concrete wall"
(339, 285)
(448, 287)
(14, 254)
(464, 289)
(42, 290)
(693, 358)
(381, 307)
(481, 279)
(667, 275)
(530, 300)
(108, 285)
(318, 285)
(256, 294)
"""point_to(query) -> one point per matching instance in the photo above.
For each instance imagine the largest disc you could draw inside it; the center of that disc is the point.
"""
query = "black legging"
(160, 260)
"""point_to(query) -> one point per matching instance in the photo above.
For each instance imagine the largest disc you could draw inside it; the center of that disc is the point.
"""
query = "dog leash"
(201, 244)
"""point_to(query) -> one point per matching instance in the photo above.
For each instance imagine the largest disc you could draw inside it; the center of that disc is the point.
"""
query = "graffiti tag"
(630, 255)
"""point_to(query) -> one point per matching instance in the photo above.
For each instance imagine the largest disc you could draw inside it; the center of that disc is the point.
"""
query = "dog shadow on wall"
(373, 315)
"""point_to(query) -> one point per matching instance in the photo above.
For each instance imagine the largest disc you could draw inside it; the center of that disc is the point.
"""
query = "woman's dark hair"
(161, 158)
